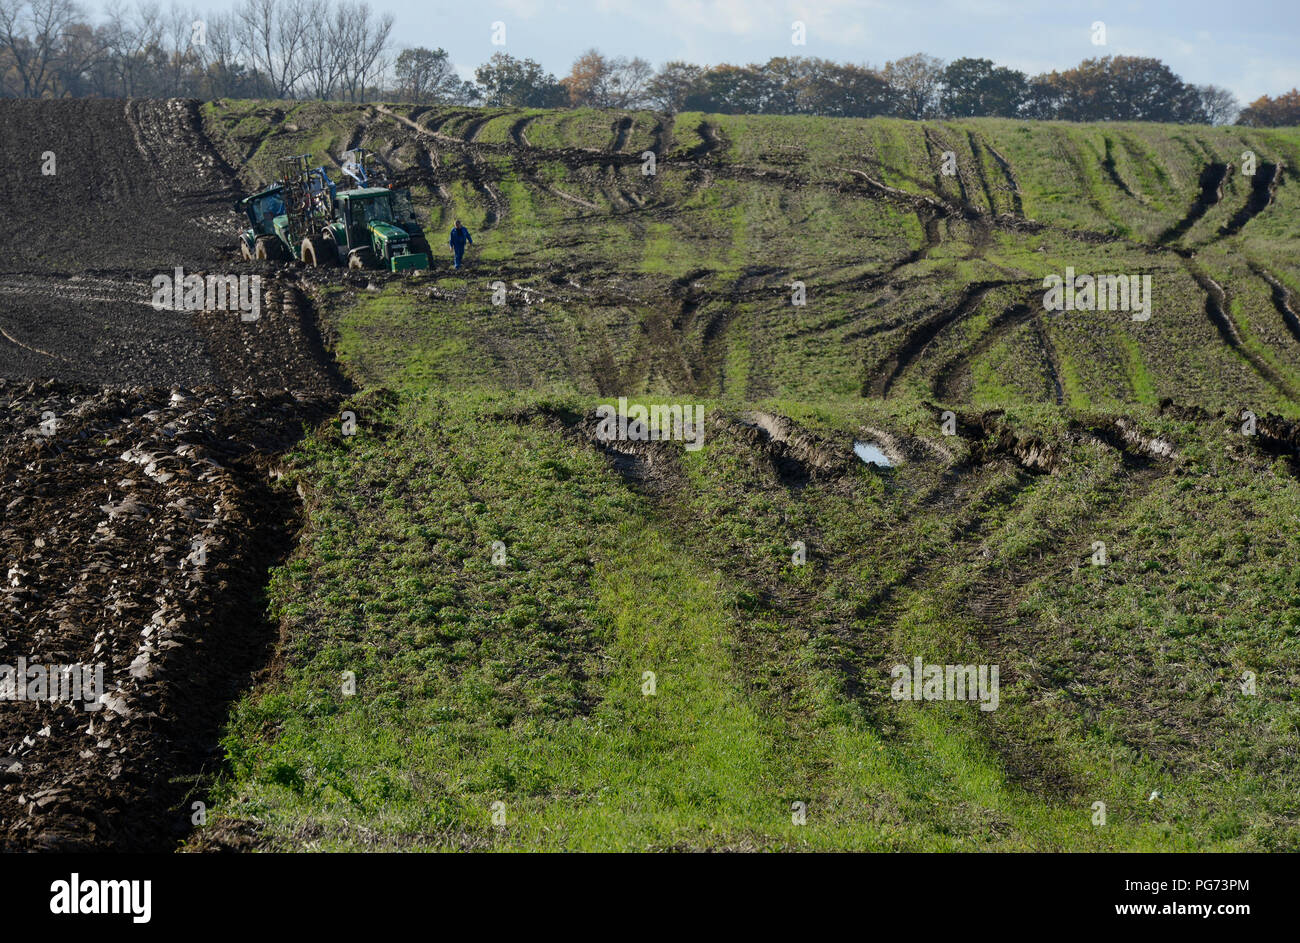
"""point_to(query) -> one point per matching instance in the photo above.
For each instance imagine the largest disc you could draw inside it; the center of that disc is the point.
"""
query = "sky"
(1252, 47)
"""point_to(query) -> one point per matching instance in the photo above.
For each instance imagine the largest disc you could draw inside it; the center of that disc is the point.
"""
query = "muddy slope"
(134, 187)
(138, 511)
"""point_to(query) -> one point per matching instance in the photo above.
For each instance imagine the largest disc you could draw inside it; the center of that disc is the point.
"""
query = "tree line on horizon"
(343, 50)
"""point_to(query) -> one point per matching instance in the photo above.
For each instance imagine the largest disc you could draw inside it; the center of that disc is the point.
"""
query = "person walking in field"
(459, 237)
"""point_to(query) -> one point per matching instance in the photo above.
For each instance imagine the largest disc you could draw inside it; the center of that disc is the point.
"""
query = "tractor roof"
(274, 188)
(362, 192)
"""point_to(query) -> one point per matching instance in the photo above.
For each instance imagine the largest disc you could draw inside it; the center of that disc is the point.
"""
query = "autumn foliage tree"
(1266, 112)
(600, 82)
(1115, 88)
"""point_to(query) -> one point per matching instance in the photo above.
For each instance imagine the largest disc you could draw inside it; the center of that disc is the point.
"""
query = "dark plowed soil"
(139, 516)
(127, 193)
(137, 531)
(138, 191)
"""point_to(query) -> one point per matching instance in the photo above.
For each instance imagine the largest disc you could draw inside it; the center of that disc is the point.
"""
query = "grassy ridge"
(522, 682)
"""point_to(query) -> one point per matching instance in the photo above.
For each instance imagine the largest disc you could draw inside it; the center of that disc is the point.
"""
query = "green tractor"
(260, 240)
(286, 216)
(307, 218)
(376, 227)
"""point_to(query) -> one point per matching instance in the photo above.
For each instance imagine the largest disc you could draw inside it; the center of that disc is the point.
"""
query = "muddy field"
(143, 450)
(140, 514)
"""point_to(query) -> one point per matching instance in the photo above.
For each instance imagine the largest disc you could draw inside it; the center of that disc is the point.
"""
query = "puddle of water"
(872, 454)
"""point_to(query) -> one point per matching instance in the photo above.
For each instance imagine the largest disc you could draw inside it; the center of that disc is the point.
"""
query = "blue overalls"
(459, 236)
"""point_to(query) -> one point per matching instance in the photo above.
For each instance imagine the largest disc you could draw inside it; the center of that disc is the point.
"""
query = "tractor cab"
(377, 226)
(262, 210)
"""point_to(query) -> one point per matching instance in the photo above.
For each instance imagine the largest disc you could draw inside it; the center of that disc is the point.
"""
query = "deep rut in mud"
(1263, 188)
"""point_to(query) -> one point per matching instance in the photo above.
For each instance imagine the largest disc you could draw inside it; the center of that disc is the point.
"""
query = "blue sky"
(1249, 47)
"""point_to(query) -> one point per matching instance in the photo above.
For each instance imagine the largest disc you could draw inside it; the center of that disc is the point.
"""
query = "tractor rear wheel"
(243, 251)
(317, 253)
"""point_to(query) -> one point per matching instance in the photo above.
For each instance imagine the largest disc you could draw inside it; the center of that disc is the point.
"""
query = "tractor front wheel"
(266, 249)
(317, 253)
(243, 251)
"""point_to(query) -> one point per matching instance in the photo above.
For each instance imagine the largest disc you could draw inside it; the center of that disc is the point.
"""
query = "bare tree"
(179, 56)
(81, 62)
(321, 59)
(362, 42)
(1219, 104)
(628, 82)
(130, 37)
(915, 82)
(218, 59)
(272, 35)
(33, 33)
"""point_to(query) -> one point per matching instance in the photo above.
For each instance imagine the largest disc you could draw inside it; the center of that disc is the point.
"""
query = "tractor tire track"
(428, 167)
(1068, 150)
(713, 140)
(713, 347)
(518, 130)
(1263, 190)
(661, 136)
(519, 135)
(1216, 308)
(1051, 367)
(359, 132)
(918, 340)
(620, 127)
(974, 143)
(1112, 170)
(1013, 185)
(945, 380)
(622, 200)
(1010, 638)
(935, 148)
(1282, 300)
(1213, 178)
(495, 206)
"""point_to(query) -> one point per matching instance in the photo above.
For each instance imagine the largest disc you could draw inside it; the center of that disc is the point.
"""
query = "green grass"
(521, 683)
